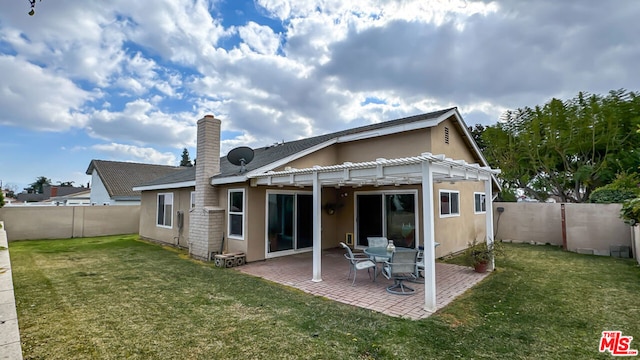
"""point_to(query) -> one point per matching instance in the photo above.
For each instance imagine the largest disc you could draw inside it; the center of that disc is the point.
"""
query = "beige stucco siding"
(455, 232)
(148, 213)
(457, 148)
(408, 143)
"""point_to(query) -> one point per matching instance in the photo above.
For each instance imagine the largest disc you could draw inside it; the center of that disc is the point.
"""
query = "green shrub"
(602, 195)
(630, 212)
(623, 188)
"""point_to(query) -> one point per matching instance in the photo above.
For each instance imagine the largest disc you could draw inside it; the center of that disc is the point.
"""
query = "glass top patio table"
(381, 251)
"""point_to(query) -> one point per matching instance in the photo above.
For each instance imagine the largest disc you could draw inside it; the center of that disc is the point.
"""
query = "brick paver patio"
(296, 271)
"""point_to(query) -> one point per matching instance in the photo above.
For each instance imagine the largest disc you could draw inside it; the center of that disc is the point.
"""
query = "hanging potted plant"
(479, 254)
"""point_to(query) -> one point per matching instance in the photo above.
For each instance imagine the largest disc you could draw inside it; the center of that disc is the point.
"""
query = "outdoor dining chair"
(357, 262)
(401, 267)
(374, 241)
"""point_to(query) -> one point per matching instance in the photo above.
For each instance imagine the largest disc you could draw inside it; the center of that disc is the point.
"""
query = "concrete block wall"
(64, 222)
(590, 228)
(10, 347)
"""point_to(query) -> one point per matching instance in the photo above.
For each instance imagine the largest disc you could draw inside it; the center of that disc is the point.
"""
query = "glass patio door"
(392, 215)
(369, 217)
(289, 222)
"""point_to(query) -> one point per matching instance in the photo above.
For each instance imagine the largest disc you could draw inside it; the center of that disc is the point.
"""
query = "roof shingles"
(119, 178)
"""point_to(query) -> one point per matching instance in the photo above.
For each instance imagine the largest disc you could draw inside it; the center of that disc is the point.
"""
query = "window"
(193, 200)
(480, 203)
(449, 203)
(236, 214)
(165, 210)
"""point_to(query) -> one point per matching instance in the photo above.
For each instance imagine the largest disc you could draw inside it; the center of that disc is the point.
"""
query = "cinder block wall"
(64, 222)
(590, 228)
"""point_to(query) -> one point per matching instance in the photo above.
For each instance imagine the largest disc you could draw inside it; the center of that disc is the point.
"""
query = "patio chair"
(378, 242)
(401, 267)
(357, 262)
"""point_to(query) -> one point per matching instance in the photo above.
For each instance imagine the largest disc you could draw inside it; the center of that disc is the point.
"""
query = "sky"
(127, 80)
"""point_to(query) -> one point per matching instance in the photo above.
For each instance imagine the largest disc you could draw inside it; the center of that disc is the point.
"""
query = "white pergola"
(424, 169)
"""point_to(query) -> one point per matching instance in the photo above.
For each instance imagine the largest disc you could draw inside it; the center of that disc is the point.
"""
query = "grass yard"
(117, 297)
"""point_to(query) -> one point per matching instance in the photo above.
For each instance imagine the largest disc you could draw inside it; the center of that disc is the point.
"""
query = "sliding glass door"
(289, 222)
(389, 214)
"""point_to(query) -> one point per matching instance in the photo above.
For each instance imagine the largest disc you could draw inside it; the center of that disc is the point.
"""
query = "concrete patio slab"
(296, 271)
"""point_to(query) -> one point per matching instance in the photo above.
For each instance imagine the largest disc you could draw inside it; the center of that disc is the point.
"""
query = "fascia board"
(182, 184)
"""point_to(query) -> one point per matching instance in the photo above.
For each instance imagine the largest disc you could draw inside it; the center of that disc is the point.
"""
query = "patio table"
(381, 251)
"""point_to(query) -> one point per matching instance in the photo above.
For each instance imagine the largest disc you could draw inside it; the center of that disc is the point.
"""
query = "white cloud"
(142, 123)
(260, 38)
(124, 152)
(35, 98)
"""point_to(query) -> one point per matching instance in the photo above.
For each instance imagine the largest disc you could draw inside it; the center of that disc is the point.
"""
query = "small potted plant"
(479, 254)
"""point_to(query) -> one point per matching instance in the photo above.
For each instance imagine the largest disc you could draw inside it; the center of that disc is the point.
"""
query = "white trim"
(440, 203)
(241, 213)
(420, 124)
(182, 184)
(228, 180)
(467, 133)
(475, 211)
(164, 209)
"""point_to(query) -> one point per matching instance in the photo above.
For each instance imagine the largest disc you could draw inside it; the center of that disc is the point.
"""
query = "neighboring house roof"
(269, 157)
(49, 191)
(119, 177)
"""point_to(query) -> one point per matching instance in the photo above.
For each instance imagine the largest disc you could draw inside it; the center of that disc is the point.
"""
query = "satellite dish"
(240, 156)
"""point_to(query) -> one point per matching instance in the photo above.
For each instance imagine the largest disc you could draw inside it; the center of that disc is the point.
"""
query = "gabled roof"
(119, 177)
(264, 156)
(267, 158)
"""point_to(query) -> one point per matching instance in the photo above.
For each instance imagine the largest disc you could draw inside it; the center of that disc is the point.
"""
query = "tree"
(185, 158)
(1, 199)
(567, 148)
(39, 184)
(66, 183)
(476, 132)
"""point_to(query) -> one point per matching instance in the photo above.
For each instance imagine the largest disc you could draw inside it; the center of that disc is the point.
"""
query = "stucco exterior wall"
(590, 228)
(148, 228)
(63, 222)
(409, 143)
(99, 194)
(457, 147)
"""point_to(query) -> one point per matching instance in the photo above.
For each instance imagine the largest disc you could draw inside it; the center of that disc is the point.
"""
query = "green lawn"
(117, 297)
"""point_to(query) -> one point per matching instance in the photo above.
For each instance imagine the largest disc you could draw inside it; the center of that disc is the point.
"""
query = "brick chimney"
(206, 221)
(207, 160)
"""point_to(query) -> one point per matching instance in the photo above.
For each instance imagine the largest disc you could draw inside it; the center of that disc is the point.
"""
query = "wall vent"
(446, 135)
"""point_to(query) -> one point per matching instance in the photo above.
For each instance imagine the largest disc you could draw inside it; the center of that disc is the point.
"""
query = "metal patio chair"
(401, 267)
(357, 262)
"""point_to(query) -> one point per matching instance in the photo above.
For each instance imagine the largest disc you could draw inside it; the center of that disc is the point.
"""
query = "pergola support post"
(489, 218)
(429, 255)
(317, 226)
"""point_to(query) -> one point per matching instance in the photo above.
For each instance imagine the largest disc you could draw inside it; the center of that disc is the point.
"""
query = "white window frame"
(166, 203)
(192, 199)
(241, 213)
(440, 203)
(483, 201)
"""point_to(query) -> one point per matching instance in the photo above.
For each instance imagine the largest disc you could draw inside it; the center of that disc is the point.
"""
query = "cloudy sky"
(127, 80)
